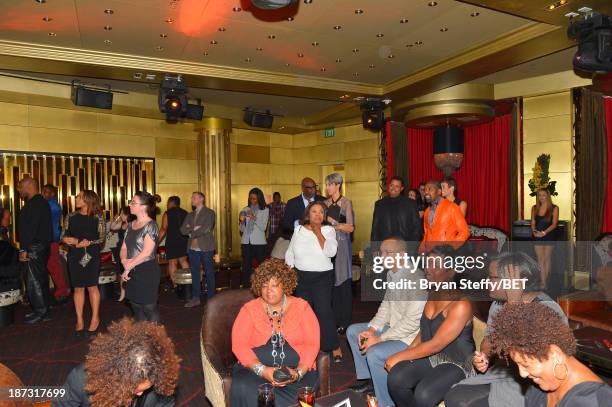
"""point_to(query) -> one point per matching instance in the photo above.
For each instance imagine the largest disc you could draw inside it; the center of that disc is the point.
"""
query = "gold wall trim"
(140, 63)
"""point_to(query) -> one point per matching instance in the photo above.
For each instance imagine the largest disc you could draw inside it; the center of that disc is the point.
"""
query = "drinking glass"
(265, 395)
(306, 397)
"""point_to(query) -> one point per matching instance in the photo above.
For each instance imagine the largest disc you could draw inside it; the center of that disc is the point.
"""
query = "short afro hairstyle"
(530, 329)
(130, 353)
(273, 268)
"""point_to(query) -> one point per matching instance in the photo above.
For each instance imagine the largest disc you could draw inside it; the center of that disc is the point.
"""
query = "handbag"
(282, 375)
(85, 259)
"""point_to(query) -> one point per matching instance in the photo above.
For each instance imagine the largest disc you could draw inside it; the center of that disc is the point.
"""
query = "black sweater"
(35, 225)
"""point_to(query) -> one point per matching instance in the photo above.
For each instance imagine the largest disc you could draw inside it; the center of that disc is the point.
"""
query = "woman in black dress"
(119, 226)
(449, 191)
(176, 242)
(138, 258)
(84, 232)
(544, 221)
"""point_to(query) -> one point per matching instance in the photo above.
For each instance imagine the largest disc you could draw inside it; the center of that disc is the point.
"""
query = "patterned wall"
(115, 179)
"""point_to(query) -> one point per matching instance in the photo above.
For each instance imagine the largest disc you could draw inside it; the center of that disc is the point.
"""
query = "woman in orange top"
(275, 330)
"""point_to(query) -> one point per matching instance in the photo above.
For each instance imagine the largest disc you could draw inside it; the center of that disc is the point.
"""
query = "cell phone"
(363, 340)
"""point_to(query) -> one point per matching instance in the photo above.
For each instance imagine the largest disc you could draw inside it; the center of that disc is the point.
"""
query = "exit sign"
(330, 132)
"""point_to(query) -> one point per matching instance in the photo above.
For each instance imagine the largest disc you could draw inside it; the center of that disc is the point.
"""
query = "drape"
(607, 217)
(484, 177)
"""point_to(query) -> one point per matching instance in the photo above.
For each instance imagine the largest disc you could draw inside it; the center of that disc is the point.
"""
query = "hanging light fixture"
(448, 149)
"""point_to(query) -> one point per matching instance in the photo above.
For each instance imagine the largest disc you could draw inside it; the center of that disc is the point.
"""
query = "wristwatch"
(300, 374)
(334, 223)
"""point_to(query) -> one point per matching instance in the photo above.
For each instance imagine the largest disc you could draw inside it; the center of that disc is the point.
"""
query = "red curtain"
(607, 218)
(483, 179)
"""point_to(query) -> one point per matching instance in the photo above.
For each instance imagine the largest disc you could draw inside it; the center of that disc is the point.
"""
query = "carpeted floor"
(44, 354)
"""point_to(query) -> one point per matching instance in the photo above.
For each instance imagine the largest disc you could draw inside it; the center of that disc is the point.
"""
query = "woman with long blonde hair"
(84, 232)
(544, 221)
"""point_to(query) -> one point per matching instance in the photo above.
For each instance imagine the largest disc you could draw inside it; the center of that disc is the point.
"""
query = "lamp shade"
(448, 149)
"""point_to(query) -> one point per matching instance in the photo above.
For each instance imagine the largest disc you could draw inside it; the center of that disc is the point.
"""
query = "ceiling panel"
(193, 24)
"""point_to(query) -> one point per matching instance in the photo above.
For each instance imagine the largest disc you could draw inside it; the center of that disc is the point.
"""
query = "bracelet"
(258, 369)
(300, 374)
(334, 223)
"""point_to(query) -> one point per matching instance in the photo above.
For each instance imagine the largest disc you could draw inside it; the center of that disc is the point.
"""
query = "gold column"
(215, 178)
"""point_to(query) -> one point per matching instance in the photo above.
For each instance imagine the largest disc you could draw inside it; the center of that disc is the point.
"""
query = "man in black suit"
(296, 206)
(396, 216)
(35, 236)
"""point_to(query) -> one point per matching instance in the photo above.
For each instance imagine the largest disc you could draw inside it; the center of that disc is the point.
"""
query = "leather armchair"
(216, 346)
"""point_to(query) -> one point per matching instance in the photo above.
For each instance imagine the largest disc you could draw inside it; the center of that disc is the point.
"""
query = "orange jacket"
(252, 329)
(449, 225)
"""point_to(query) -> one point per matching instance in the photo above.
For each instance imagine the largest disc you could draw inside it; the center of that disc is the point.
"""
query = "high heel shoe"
(93, 333)
(79, 333)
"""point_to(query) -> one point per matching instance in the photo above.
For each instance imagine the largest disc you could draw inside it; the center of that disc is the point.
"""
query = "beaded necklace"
(277, 339)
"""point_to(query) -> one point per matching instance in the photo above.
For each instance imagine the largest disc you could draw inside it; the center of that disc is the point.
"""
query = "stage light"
(174, 102)
(594, 36)
(373, 114)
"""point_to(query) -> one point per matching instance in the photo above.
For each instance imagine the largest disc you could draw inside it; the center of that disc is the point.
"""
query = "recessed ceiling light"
(213, 42)
(432, 4)
(443, 29)
(109, 11)
(474, 14)
(372, 66)
(169, 20)
(259, 49)
(315, 44)
(338, 60)
(52, 34)
(247, 60)
(323, 69)
(355, 50)
(222, 29)
(205, 53)
(236, 9)
(271, 36)
(289, 18)
(337, 27)
(163, 35)
(418, 43)
(307, 1)
(108, 42)
(390, 56)
(40, 1)
(47, 19)
(159, 48)
(108, 27)
(355, 74)
(287, 64)
(380, 35)
(403, 21)
(300, 55)
(359, 11)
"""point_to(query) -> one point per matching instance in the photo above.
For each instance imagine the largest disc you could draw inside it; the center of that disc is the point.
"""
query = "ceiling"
(246, 41)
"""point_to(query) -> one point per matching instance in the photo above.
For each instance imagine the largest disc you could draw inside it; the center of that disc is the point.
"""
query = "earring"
(556, 364)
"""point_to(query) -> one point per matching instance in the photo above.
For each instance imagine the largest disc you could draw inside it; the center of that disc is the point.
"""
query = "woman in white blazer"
(253, 222)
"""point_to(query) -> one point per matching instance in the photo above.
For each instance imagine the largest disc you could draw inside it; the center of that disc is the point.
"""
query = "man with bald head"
(294, 210)
(35, 236)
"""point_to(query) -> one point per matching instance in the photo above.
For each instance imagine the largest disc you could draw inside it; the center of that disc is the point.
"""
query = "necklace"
(336, 201)
(277, 339)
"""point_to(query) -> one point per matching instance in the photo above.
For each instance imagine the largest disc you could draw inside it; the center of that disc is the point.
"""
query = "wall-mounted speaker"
(100, 99)
(258, 119)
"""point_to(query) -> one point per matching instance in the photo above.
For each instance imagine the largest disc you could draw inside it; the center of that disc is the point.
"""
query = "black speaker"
(194, 112)
(256, 119)
(92, 98)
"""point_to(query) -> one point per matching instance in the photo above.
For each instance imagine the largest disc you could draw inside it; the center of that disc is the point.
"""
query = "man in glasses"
(296, 206)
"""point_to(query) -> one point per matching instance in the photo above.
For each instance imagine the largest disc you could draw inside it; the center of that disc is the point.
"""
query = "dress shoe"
(363, 386)
(35, 318)
(61, 300)
(194, 302)
(91, 334)
(79, 333)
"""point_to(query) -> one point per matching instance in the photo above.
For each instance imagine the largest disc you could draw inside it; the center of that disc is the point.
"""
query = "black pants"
(417, 384)
(248, 252)
(316, 288)
(37, 278)
(342, 303)
(145, 312)
(468, 396)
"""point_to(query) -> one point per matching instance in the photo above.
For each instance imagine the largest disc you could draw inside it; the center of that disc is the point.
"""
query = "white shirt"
(305, 252)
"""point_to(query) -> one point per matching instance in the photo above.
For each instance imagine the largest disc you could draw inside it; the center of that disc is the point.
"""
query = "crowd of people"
(418, 350)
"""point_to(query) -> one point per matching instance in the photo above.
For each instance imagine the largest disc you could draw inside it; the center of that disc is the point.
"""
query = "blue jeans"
(197, 258)
(372, 364)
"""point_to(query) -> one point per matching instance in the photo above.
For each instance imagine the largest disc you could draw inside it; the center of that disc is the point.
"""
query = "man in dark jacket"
(35, 236)
(396, 216)
(294, 210)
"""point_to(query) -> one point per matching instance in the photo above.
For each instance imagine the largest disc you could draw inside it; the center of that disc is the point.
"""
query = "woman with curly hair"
(84, 231)
(133, 364)
(275, 339)
(543, 347)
